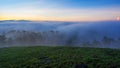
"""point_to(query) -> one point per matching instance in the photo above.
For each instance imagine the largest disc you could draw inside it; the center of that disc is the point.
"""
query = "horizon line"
(56, 20)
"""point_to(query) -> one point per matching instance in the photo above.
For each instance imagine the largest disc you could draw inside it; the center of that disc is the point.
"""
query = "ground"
(59, 57)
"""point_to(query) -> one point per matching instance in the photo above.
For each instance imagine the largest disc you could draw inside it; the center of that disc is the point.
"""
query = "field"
(59, 57)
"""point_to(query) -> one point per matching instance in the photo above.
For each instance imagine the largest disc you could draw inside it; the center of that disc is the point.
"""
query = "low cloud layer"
(105, 34)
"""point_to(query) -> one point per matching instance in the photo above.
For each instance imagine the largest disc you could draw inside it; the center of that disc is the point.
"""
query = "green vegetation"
(58, 57)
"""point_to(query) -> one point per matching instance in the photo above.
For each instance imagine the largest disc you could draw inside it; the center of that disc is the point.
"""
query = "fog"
(104, 34)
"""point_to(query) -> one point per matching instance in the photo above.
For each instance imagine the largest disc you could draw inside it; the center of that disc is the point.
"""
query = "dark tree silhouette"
(2, 38)
(107, 40)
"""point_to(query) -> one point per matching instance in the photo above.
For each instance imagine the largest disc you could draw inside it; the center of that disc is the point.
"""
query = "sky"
(60, 10)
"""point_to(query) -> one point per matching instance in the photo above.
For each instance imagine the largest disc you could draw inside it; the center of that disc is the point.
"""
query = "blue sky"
(65, 10)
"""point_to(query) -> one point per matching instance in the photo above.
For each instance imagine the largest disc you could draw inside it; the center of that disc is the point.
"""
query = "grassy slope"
(58, 57)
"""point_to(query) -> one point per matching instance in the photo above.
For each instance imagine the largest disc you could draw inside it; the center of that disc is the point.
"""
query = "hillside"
(59, 57)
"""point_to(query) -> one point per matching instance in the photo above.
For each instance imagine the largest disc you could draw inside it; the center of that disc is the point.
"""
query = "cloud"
(68, 33)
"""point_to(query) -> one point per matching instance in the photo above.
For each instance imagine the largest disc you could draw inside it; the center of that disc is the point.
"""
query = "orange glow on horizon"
(118, 18)
(51, 18)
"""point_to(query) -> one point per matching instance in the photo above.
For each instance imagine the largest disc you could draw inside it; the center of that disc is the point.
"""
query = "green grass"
(58, 57)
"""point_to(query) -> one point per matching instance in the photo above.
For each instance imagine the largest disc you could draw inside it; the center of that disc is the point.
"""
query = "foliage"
(58, 57)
